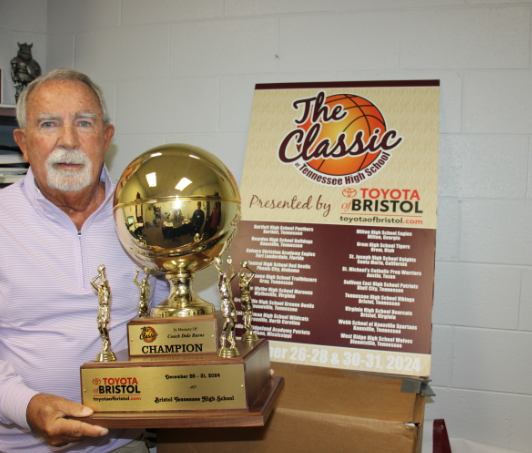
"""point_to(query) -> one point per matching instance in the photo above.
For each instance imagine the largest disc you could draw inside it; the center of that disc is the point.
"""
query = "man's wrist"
(15, 404)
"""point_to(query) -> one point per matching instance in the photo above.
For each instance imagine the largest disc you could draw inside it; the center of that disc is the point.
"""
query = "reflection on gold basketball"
(362, 115)
(176, 209)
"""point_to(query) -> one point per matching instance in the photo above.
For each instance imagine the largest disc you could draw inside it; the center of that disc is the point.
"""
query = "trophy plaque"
(176, 210)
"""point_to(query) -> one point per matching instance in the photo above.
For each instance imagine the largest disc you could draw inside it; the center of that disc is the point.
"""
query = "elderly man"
(56, 229)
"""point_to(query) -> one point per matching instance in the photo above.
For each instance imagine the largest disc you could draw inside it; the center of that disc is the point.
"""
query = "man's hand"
(47, 416)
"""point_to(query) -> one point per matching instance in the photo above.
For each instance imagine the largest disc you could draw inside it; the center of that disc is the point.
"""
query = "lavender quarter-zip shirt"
(48, 308)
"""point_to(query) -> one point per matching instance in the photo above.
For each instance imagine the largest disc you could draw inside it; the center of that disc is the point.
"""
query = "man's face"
(65, 140)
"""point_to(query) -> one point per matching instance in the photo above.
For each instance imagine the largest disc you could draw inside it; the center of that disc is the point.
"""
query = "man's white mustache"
(61, 156)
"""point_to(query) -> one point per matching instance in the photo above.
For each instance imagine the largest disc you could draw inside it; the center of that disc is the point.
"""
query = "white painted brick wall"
(341, 41)
(496, 231)
(525, 309)
(465, 38)
(75, 17)
(485, 417)
(462, 289)
(512, 375)
(497, 101)
(234, 46)
(184, 71)
(478, 166)
(157, 11)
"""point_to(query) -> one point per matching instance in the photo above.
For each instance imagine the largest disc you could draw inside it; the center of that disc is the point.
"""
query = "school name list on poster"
(339, 223)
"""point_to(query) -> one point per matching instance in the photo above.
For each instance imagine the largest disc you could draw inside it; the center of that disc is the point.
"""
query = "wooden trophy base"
(188, 390)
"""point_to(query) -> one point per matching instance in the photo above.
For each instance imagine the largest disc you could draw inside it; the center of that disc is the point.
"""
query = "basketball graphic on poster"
(361, 115)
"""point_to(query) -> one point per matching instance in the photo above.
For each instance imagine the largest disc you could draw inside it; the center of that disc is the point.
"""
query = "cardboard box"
(321, 410)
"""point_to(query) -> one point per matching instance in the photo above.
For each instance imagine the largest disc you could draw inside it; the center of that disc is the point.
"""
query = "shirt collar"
(39, 201)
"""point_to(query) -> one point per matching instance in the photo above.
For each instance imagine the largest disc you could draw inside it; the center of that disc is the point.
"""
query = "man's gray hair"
(58, 74)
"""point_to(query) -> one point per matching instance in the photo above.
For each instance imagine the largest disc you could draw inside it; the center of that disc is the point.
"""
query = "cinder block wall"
(184, 71)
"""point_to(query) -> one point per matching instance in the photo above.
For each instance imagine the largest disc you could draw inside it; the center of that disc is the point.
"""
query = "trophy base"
(249, 337)
(105, 357)
(185, 390)
(256, 416)
(228, 353)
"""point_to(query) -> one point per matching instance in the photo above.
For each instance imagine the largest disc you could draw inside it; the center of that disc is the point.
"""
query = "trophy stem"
(182, 301)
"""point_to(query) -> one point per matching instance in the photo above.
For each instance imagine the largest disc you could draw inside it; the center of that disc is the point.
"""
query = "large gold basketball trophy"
(176, 212)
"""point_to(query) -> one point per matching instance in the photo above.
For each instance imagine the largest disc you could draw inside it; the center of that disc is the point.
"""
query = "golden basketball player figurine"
(104, 295)
(244, 279)
(227, 307)
(144, 296)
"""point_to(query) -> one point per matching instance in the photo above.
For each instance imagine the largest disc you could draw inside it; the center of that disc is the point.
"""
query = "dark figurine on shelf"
(24, 69)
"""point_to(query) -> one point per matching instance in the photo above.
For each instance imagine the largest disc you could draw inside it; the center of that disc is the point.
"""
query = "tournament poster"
(339, 199)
